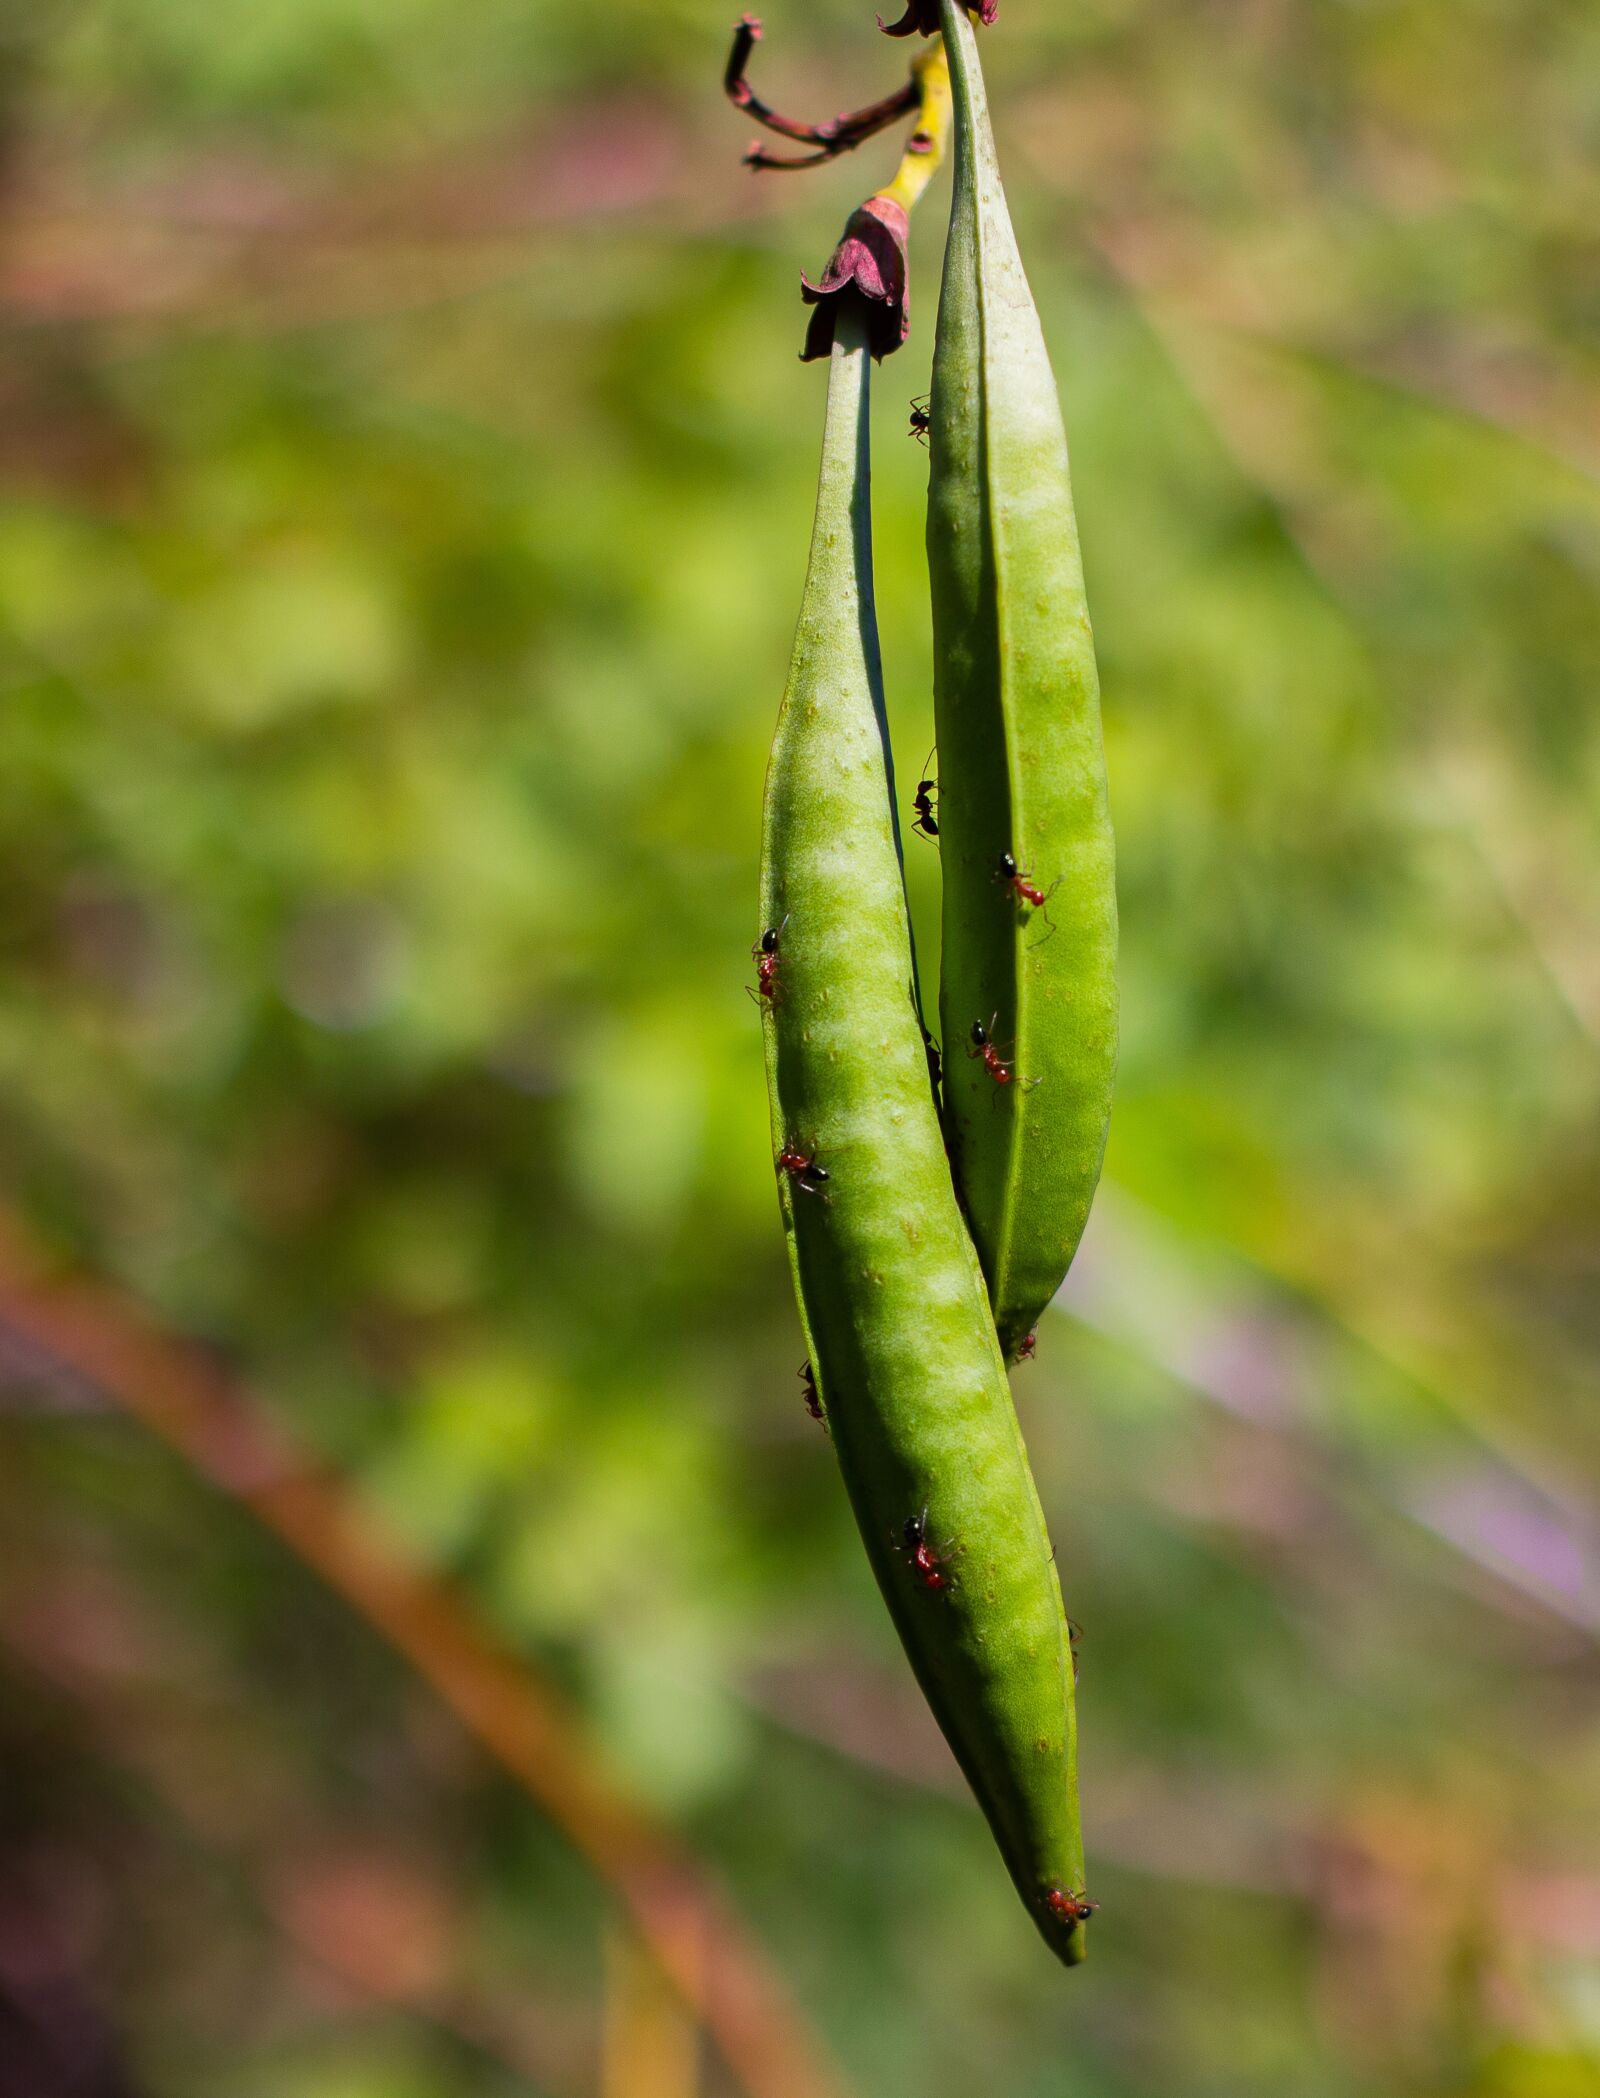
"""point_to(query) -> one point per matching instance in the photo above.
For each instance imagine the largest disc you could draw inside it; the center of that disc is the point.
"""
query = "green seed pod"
(1030, 913)
(891, 1294)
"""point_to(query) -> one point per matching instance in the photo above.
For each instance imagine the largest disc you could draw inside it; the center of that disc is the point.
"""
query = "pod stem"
(845, 487)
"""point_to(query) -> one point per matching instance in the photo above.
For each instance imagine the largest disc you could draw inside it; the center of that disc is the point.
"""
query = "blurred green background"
(405, 479)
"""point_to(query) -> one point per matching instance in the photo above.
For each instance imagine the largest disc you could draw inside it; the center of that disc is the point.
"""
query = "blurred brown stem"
(122, 1733)
(217, 1426)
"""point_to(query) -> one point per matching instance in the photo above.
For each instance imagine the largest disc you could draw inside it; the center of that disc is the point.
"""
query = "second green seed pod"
(1030, 914)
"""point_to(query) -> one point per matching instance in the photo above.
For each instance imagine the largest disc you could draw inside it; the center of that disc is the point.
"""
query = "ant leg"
(1044, 910)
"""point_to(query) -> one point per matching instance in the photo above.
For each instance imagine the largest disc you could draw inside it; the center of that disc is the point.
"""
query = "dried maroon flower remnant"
(870, 263)
(921, 17)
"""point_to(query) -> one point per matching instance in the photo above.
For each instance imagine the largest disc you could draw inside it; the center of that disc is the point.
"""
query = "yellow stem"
(926, 150)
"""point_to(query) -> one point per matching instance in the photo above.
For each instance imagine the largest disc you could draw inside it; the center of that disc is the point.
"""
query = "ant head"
(980, 1035)
(816, 1172)
(769, 940)
(1007, 867)
(914, 1529)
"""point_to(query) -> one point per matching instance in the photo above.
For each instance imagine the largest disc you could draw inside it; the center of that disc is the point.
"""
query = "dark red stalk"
(841, 134)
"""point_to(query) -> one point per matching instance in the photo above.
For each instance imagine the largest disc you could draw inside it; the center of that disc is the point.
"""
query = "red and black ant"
(982, 1045)
(803, 1170)
(1070, 1908)
(808, 1378)
(927, 823)
(765, 955)
(927, 1563)
(1000, 1068)
(1028, 1348)
(1026, 891)
(921, 419)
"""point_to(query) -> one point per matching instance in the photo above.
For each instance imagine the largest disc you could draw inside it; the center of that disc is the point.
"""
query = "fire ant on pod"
(1025, 890)
(921, 420)
(765, 954)
(1070, 1908)
(803, 1170)
(808, 1379)
(927, 823)
(982, 1044)
(927, 1563)
(1000, 1068)
(1028, 1348)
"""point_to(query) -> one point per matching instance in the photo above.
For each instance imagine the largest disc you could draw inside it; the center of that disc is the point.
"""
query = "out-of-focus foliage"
(404, 481)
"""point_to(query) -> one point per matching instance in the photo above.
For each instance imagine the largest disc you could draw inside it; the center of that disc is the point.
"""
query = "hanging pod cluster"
(930, 1220)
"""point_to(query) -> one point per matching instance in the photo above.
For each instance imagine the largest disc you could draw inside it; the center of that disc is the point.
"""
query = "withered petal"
(871, 262)
(921, 17)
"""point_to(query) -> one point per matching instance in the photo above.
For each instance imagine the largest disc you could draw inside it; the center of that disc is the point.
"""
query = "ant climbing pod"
(803, 1170)
(1022, 886)
(927, 1563)
(766, 955)
(1071, 1908)
(1028, 1347)
(982, 1045)
(921, 420)
(927, 821)
(1000, 1068)
(808, 1380)
(1026, 891)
